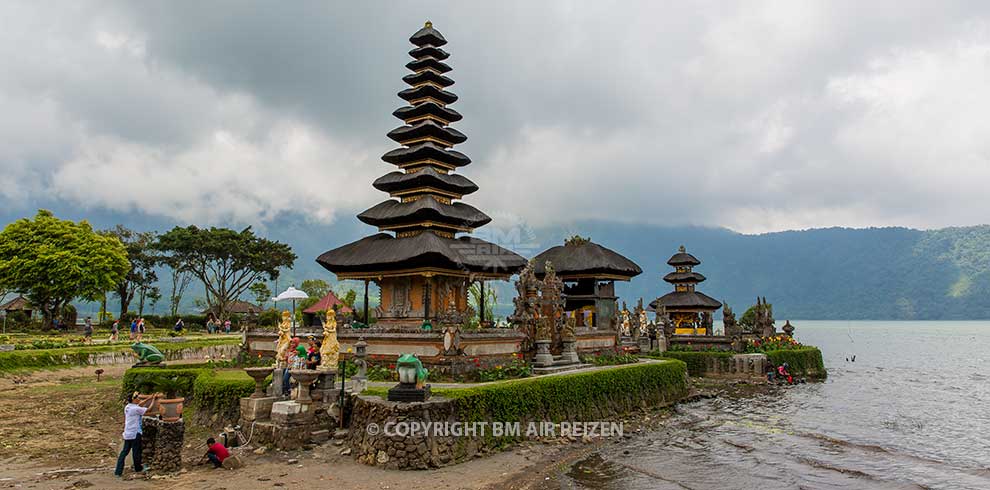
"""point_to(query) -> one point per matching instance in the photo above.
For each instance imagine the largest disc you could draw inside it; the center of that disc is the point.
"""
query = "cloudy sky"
(757, 116)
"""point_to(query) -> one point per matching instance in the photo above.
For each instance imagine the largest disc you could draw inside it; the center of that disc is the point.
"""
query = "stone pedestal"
(325, 380)
(162, 444)
(644, 345)
(258, 374)
(304, 378)
(277, 382)
(256, 408)
(291, 412)
(568, 354)
(403, 392)
(543, 358)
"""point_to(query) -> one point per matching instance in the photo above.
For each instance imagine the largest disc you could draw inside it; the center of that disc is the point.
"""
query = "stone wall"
(161, 444)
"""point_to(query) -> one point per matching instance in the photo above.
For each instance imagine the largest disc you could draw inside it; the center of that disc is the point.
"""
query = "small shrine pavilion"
(589, 272)
(690, 311)
(421, 266)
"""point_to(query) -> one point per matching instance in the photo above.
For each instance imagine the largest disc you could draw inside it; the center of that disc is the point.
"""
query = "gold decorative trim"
(416, 102)
(433, 139)
(430, 83)
(428, 161)
(425, 271)
(425, 224)
(443, 122)
(426, 190)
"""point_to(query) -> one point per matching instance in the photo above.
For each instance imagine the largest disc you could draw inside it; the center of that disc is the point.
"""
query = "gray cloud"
(754, 115)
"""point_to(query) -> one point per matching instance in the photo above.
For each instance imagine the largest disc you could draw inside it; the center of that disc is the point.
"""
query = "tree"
(180, 278)
(227, 262)
(144, 259)
(317, 288)
(348, 297)
(56, 261)
(261, 293)
(474, 292)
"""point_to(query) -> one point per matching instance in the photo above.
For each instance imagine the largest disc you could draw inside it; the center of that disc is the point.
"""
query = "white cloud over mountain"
(754, 115)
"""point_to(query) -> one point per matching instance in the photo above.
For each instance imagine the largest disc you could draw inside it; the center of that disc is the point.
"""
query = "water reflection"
(910, 412)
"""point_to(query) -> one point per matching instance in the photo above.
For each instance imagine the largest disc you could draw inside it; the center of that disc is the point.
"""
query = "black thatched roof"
(382, 253)
(19, 303)
(585, 259)
(427, 76)
(676, 277)
(395, 213)
(682, 258)
(426, 150)
(686, 300)
(431, 51)
(428, 62)
(427, 108)
(428, 36)
(428, 177)
(426, 128)
(424, 91)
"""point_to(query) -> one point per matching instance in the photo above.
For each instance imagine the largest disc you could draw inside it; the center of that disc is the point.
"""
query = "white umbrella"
(293, 294)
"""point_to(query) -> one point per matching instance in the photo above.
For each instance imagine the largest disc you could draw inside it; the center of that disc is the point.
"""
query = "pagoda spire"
(424, 189)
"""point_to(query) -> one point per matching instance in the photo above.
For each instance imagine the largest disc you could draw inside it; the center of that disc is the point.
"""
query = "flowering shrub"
(610, 358)
(516, 368)
(777, 342)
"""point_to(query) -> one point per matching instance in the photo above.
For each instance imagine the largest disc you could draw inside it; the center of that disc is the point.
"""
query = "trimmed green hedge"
(214, 395)
(695, 360)
(79, 356)
(805, 361)
(587, 396)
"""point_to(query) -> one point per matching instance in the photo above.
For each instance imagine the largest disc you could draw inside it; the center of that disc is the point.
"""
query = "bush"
(147, 380)
(695, 360)
(610, 358)
(805, 361)
(80, 356)
(580, 396)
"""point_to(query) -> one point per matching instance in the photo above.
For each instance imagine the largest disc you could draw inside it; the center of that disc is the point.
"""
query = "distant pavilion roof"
(682, 258)
(19, 303)
(328, 302)
(686, 300)
(584, 258)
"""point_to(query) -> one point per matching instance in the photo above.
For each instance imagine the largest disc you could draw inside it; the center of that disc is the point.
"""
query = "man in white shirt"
(132, 433)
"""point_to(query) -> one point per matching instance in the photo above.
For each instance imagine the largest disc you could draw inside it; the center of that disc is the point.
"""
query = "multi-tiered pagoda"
(422, 267)
(689, 310)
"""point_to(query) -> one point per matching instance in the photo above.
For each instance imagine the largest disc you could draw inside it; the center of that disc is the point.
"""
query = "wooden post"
(481, 304)
(366, 322)
(426, 297)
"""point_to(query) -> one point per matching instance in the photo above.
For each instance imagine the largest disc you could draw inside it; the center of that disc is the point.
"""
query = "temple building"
(589, 272)
(690, 311)
(421, 265)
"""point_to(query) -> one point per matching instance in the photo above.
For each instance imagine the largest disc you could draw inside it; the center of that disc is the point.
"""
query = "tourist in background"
(179, 325)
(114, 330)
(140, 329)
(290, 356)
(226, 326)
(134, 329)
(209, 325)
(88, 330)
(132, 433)
(313, 356)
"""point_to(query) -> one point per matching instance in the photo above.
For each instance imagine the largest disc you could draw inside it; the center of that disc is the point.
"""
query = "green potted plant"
(171, 404)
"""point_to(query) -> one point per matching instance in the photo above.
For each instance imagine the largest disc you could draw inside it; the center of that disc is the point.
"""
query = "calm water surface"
(912, 411)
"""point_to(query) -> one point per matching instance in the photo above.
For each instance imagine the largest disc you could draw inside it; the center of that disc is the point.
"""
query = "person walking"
(88, 330)
(114, 330)
(209, 325)
(179, 325)
(140, 330)
(226, 326)
(134, 329)
(132, 433)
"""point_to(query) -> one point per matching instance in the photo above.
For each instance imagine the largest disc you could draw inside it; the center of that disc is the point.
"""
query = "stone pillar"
(569, 353)
(161, 444)
(543, 358)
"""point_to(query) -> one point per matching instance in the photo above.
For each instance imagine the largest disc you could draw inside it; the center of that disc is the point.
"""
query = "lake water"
(912, 411)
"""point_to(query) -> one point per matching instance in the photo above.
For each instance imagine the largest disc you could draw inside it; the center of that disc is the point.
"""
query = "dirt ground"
(61, 430)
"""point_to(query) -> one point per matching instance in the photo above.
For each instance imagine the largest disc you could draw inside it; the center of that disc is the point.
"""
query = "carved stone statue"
(567, 331)
(788, 329)
(626, 322)
(452, 339)
(707, 322)
(330, 348)
(644, 323)
(284, 338)
(729, 326)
